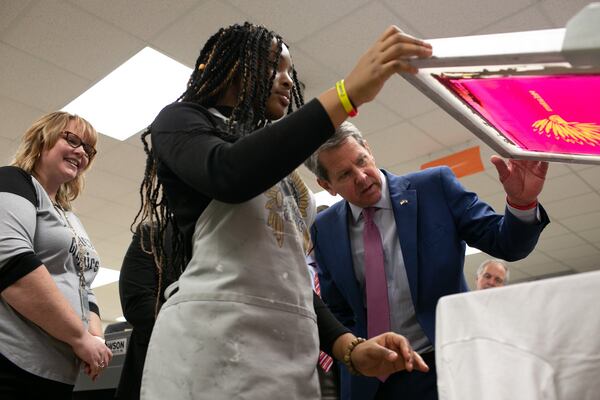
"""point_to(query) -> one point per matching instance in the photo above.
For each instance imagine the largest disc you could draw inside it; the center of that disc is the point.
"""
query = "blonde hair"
(43, 135)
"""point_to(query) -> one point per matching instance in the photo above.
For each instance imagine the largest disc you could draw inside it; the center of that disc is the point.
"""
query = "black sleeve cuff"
(17, 267)
(94, 308)
(329, 327)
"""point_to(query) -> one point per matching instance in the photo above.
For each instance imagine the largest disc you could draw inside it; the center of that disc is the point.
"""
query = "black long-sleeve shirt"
(197, 163)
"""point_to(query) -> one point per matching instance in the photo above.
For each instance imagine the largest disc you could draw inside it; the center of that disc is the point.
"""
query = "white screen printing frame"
(574, 49)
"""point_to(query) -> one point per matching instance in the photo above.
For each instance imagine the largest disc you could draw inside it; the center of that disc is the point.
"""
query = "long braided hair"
(236, 54)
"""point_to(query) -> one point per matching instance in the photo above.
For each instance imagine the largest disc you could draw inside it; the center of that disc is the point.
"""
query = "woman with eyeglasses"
(49, 318)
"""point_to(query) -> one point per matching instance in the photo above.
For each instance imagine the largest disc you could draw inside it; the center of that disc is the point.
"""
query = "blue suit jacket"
(434, 216)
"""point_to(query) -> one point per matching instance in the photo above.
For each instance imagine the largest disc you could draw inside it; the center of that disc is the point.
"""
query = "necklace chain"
(78, 260)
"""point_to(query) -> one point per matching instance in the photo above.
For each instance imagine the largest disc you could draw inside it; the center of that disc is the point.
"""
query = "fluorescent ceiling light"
(471, 250)
(105, 276)
(128, 99)
(493, 48)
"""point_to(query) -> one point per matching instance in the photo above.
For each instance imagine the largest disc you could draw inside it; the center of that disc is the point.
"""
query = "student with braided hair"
(244, 323)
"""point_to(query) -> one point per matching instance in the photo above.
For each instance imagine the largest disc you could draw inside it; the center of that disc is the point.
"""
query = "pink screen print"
(555, 114)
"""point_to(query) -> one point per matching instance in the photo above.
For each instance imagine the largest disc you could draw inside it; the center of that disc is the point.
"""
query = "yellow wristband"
(344, 99)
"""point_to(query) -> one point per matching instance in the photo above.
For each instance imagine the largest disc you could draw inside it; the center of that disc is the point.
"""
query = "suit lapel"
(404, 204)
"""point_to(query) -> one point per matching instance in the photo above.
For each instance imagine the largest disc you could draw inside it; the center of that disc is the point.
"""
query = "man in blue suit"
(424, 220)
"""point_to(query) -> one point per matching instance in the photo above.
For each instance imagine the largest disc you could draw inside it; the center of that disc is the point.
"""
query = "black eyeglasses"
(75, 141)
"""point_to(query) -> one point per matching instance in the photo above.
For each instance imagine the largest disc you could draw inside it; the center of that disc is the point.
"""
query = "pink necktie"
(378, 308)
(325, 360)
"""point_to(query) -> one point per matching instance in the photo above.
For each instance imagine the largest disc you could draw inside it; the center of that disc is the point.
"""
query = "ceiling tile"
(106, 144)
(116, 214)
(409, 166)
(566, 254)
(573, 206)
(135, 140)
(486, 153)
(131, 198)
(122, 240)
(25, 78)
(9, 11)
(582, 222)
(560, 11)
(469, 143)
(99, 230)
(111, 256)
(534, 258)
(591, 176)
(497, 201)
(111, 261)
(336, 46)
(115, 250)
(563, 187)
(484, 184)
(592, 236)
(87, 204)
(142, 18)
(549, 268)
(309, 15)
(14, 116)
(579, 167)
(61, 34)
(108, 186)
(560, 242)
(406, 100)
(527, 19)
(586, 263)
(442, 127)
(183, 40)
(8, 149)
(473, 261)
(557, 169)
(316, 77)
(374, 117)
(126, 161)
(400, 143)
(444, 18)
(555, 228)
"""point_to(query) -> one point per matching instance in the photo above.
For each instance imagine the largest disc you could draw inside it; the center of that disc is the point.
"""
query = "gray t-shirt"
(34, 232)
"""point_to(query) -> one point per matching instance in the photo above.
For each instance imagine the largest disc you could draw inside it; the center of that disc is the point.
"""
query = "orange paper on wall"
(463, 163)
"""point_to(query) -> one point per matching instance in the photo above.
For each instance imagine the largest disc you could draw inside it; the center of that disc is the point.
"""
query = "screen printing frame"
(574, 50)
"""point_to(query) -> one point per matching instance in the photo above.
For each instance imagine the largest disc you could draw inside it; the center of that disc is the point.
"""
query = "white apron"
(242, 325)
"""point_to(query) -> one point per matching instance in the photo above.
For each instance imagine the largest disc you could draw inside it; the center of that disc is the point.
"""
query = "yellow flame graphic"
(570, 132)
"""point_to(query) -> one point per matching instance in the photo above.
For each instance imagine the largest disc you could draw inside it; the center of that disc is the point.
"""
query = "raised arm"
(226, 171)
